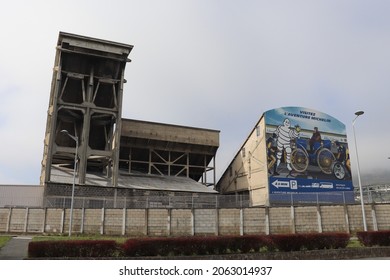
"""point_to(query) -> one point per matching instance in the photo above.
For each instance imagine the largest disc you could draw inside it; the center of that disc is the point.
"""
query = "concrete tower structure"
(86, 101)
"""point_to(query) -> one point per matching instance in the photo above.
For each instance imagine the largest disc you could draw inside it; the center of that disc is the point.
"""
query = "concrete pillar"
(319, 219)
(102, 221)
(82, 220)
(346, 219)
(374, 220)
(26, 220)
(267, 222)
(124, 221)
(147, 222)
(216, 222)
(169, 222)
(292, 219)
(241, 221)
(9, 220)
(44, 220)
(62, 220)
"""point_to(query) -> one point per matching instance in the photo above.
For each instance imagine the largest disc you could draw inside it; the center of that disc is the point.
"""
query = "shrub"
(326, 240)
(164, 246)
(73, 249)
(254, 243)
(339, 240)
(309, 241)
(233, 244)
(196, 245)
(287, 242)
(374, 238)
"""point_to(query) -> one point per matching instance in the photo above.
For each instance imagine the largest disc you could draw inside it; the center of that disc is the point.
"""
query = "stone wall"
(181, 222)
(187, 222)
(280, 220)
(382, 213)
(254, 220)
(205, 221)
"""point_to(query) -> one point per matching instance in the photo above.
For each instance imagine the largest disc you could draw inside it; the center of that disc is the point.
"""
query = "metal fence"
(377, 193)
(201, 201)
(106, 198)
(141, 202)
(313, 198)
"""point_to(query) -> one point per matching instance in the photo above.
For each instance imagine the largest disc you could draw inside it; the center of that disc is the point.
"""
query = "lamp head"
(75, 138)
(359, 113)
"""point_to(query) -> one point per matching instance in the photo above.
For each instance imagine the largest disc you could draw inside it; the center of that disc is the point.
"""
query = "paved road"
(15, 249)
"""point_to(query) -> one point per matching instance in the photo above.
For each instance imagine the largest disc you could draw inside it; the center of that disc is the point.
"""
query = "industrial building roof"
(135, 181)
(189, 136)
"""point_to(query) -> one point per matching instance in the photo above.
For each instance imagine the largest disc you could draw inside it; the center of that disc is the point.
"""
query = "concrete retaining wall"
(187, 222)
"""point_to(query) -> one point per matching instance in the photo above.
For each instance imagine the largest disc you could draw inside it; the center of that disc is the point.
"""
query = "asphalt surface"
(15, 249)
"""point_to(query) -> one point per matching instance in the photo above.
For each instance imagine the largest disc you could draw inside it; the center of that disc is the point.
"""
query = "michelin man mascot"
(284, 136)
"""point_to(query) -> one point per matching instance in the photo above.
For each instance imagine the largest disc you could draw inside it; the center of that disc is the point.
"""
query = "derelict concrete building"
(168, 150)
(86, 101)
(85, 109)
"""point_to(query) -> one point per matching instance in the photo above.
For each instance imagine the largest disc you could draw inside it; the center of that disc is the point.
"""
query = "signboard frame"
(307, 152)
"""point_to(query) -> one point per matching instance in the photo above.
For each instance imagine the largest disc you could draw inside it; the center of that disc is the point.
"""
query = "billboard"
(307, 152)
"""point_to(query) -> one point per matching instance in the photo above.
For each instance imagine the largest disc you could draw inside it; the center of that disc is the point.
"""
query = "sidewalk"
(16, 248)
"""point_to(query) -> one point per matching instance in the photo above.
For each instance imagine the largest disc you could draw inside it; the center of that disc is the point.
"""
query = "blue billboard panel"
(307, 151)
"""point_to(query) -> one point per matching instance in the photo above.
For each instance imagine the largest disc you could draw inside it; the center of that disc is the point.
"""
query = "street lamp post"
(359, 113)
(76, 139)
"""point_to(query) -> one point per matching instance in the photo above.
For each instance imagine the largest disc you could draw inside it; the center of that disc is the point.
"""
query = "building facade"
(292, 155)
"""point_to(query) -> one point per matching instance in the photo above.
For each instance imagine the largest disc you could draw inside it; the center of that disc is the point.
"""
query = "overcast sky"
(206, 63)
